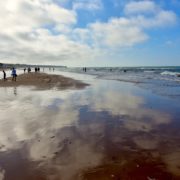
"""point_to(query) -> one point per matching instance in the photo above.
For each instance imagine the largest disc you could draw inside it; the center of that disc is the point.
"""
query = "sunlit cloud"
(45, 31)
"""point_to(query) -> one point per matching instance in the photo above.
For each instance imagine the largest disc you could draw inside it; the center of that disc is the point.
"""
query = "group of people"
(28, 69)
(13, 74)
(84, 69)
(36, 69)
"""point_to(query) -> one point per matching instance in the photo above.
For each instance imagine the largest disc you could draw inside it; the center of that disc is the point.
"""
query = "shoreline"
(43, 81)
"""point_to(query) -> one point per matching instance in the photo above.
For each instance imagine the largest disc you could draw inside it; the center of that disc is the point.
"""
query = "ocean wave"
(170, 73)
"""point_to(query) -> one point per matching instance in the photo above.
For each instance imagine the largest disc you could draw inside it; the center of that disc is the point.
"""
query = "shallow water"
(109, 130)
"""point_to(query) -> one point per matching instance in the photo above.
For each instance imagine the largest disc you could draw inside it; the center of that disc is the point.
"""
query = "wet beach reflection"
(86, 134)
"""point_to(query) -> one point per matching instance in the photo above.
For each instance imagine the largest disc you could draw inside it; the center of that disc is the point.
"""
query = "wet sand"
(111, 130)
(43, 81)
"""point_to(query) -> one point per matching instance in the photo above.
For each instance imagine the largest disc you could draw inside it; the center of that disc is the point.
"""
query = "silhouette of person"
(29, 69)
(4, 75)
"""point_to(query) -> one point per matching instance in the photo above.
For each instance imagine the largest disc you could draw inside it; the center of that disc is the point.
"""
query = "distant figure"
(24, 70)
(14, 75)
(29, 69)
(38, 69)
(125, 70)
(84, 69)
(53, 69)
(4, 75)
(35, 69)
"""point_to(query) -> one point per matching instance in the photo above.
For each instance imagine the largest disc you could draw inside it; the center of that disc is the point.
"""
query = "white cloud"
(27, 33)
(118, 32)
(161, 19)
(43, 32)
(165, 18)
(88, 5)
(42, 46)
(128, 30)
(24, 16)
(145, 6)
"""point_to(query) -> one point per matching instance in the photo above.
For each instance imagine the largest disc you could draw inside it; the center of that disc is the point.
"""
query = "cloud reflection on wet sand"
(68, 132)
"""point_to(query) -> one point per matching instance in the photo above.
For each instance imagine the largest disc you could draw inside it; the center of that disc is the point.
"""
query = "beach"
(90, 90)
(71, 126)
(43, 81)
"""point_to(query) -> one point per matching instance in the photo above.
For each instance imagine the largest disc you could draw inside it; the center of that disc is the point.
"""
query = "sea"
(160, 80)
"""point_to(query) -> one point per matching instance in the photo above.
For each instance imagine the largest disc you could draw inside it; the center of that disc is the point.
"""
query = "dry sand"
(43, 81)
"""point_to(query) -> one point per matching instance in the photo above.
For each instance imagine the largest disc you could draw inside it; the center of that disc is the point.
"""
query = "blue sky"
(90, 32)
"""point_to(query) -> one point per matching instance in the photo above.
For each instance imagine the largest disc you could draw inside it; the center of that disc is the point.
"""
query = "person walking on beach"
(4, 75)
(14, 75)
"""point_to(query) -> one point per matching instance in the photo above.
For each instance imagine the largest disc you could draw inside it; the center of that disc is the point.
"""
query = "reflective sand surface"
(110, 130)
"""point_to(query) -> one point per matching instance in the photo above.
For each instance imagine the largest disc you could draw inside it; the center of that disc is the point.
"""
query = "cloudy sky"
(90, 32)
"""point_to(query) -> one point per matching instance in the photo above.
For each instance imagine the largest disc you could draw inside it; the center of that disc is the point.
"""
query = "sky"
(90, 32)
